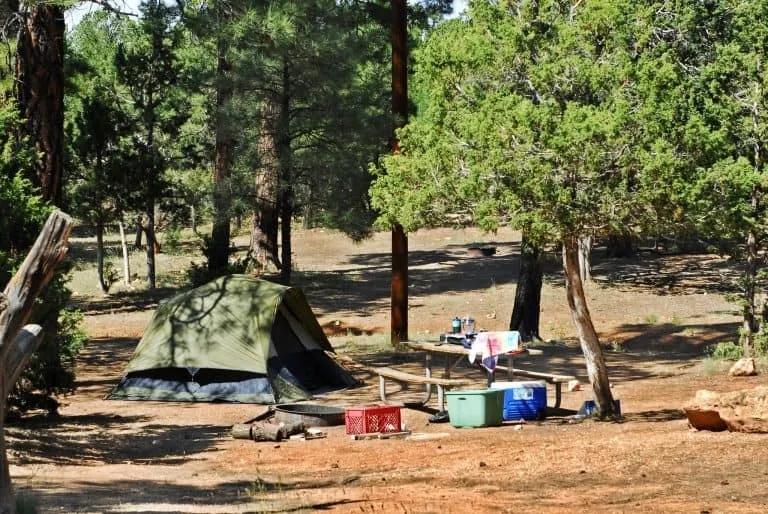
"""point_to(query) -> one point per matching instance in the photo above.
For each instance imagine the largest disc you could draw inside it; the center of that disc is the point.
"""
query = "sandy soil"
(655, 314)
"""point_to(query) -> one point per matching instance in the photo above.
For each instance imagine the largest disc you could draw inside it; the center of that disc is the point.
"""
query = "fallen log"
(241, 431)
(266, 431)
(272, 432)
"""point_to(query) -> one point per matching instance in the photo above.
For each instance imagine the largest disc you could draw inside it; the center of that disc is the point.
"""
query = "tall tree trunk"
(40, 83)
(264, 230)
(126, 258)
(585, 258)
(150, 194)
(286, 184)
(218, 256)
(750, 323)
(286, 209)
(193, 218)
(399, 289)
(7, 503)
(308, 211)
(527, 308)
(590, 343)
(100, 257)
(139, 232)
(151, 246)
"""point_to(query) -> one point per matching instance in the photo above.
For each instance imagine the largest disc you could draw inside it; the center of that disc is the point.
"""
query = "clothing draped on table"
(489, 345)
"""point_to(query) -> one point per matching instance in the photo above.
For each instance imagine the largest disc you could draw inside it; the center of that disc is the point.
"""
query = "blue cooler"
(523, 400)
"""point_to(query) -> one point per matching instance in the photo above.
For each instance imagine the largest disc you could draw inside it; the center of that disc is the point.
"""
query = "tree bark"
(264, 229)
(308, 212)
(286, 248)
(286, 184)
(218, 253)
(7, 503)
(126, 258)
(139, 232)
(399, 285)
(16, 304)
(27, 342)
(100, 257)
(150, 193)
(193, 218)
(241, 430)
(590, 343)
(40, 84)
(150, 214)
(750, 323)
(271, 432)
(585, 261)
(527, 308)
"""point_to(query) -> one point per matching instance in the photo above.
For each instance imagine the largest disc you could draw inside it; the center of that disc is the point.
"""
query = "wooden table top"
(441, 347)
(452, 348)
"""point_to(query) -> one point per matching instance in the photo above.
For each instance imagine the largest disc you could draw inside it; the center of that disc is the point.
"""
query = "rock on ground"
(702, 412)
(739, 411)
(743, 368)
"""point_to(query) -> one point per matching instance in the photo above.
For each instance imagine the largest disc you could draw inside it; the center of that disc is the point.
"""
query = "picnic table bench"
(442, 384)
(457, 352)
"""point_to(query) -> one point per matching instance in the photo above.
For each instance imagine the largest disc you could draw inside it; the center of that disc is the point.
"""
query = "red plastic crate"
(372, 418)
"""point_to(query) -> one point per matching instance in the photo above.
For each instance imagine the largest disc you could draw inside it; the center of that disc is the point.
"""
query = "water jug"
(456, 325)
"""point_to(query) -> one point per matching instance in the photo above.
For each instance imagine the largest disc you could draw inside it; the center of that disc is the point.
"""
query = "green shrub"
(22, 215)
(761, 343)
(726, 351)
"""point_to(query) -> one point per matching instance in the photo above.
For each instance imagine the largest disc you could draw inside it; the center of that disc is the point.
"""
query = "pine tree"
(148, 66)
(527, 123)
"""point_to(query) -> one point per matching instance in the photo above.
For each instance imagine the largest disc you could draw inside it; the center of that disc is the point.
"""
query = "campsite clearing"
(655, 315)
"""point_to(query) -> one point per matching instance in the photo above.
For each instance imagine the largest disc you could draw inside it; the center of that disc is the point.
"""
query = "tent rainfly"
(236, 339)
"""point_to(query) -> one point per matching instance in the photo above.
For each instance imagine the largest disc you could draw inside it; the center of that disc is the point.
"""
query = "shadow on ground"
(654, 416)
(671, 340)
(108, 438)
(124, 301)
(150, 496)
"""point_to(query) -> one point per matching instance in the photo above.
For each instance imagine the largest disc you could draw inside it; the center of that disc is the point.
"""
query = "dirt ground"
(655, 315)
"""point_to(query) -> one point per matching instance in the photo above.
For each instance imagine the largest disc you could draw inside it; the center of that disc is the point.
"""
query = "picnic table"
(452, 355)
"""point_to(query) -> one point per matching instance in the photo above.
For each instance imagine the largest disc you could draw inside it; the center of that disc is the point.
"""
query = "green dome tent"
(236, 339)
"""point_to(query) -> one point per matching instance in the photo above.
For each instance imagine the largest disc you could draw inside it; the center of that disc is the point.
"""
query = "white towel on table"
(489, 345)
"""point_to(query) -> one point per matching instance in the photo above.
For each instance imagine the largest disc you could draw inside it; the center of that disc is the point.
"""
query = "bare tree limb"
(16, 304)
(33, 275)
(111, 7)
(25, 344)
